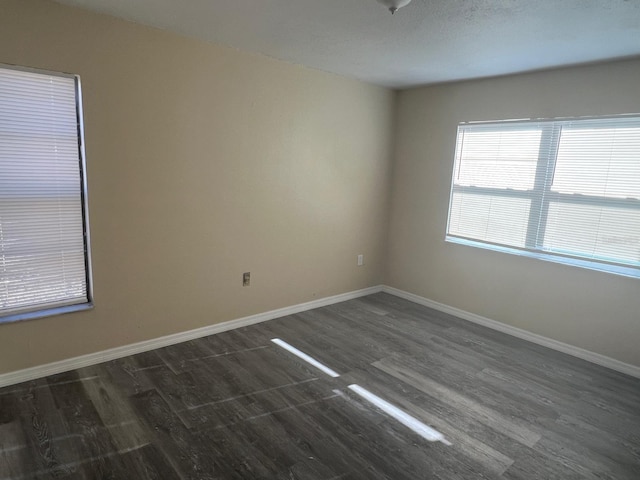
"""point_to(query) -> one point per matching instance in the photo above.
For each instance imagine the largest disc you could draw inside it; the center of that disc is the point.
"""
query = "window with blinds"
(560, 190)
(44, 255)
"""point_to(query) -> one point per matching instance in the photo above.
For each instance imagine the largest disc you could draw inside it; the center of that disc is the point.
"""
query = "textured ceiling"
(429, 41)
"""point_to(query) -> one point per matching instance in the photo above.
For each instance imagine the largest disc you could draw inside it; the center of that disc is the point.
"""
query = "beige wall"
(203, 163)
(596, 311)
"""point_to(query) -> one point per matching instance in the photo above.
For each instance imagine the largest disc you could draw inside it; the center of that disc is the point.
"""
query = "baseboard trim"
(19, 376)
(578, 352)
(61, 366)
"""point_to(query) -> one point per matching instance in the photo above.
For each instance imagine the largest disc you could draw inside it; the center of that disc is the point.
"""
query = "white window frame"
(551, 130)
(86, 304)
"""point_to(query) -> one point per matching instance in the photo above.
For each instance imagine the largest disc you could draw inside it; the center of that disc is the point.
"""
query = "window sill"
(49, 312)
(574, 262)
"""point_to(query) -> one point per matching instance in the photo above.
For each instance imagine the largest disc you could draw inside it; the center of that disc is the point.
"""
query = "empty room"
(320, 239)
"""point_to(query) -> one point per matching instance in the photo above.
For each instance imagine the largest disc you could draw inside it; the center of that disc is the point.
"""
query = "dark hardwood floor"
(238, 406)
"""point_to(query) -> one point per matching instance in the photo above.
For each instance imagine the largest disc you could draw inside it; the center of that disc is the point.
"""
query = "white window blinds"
(43, 253)
(564, 190)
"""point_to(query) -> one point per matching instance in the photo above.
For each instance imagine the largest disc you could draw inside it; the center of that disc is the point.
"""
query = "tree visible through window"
(44, 258)
(563, 190)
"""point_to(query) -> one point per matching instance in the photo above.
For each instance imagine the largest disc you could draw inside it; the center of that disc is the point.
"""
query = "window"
(44, 254)
(560, 190)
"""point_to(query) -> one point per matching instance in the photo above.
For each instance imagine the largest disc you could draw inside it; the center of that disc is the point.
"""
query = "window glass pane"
(594, 231)
(495, 219)
(599, 161)
(498, 158)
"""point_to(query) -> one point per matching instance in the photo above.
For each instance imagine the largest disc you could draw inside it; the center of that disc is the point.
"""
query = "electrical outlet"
(246, 279)
(360, 260)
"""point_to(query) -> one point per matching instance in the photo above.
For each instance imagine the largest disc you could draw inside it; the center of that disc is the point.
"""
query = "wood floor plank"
(14, 454)
(499, 422)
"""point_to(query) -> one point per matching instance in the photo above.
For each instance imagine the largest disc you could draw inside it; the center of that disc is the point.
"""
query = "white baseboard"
(40, 371)
(592, 357)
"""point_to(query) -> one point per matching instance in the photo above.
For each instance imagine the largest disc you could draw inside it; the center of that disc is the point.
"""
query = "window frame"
(551, 129)
(52, 309)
